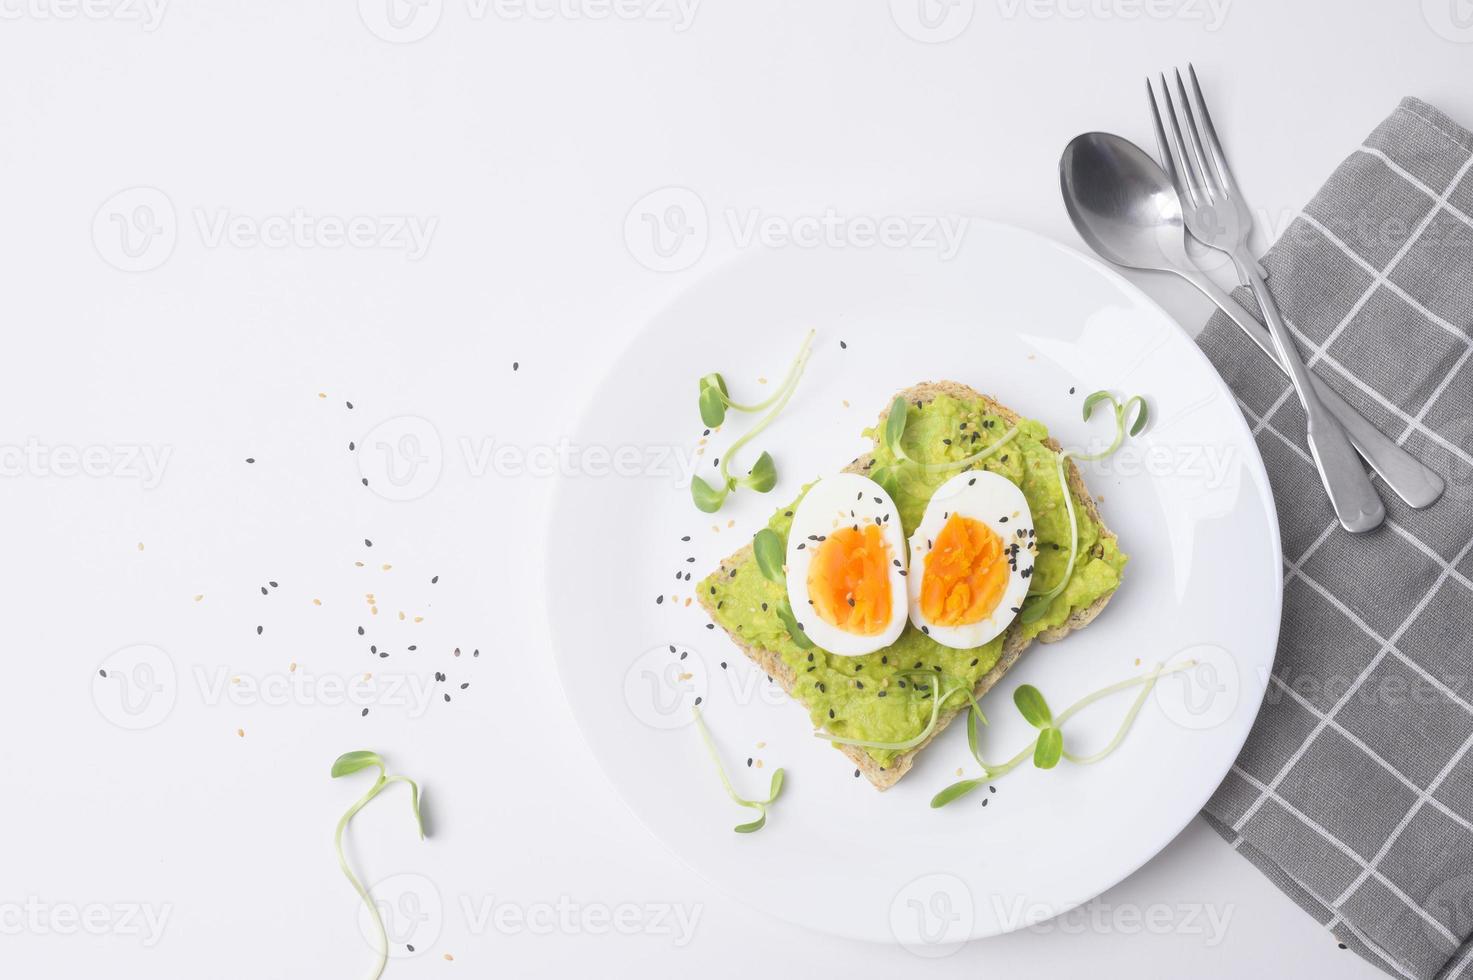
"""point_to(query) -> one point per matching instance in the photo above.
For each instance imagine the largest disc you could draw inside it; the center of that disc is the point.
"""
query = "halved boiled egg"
(846, 566)
(971, 558)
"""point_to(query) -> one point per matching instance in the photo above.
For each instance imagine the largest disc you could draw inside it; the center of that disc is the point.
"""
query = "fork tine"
(1190, 174)
(1219, 158)
(1177, 163)
(1168, 158)
(1202, 171)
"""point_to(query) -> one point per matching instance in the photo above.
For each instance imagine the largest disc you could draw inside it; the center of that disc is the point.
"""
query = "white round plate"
(1038, 326)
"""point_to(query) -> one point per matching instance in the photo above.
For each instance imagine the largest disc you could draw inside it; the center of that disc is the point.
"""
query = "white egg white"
(997, 503)
(844, 500)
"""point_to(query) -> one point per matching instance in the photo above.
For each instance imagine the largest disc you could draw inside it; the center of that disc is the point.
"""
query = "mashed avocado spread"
(870, 697)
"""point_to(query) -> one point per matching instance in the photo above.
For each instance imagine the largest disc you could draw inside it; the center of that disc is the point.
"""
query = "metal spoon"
(1124, 207)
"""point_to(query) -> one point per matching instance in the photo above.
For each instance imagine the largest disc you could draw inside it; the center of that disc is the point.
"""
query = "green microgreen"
(1032, 706)
(708, 498)
(767, 548)
(794, 628)
(893, 435)
(1047, 748)
(714, 401)
(762, 477)
(895, 423)
(773, 789)
(1035, 711)
(346, 764)
(1039, 600)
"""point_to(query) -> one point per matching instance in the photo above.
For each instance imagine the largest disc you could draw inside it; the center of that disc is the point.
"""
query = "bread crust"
(1013, 644)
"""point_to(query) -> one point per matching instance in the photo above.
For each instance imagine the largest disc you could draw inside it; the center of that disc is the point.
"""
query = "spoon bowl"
(1122, 203)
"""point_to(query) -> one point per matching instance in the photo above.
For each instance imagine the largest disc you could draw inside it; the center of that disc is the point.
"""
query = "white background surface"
(526, 141)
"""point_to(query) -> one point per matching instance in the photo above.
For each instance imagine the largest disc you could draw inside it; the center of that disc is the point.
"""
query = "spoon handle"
(1404, 473)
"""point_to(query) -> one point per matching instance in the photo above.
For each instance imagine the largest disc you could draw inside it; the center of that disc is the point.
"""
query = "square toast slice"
(1013, 644)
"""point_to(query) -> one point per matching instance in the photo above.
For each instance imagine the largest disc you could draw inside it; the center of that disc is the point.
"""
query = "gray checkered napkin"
(1355, 790)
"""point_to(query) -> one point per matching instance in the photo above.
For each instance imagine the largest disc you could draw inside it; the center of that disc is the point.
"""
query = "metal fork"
(1218, 217)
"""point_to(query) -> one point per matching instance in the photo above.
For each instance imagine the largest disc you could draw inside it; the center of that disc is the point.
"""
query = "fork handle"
(1355, 500)
(1412, 480)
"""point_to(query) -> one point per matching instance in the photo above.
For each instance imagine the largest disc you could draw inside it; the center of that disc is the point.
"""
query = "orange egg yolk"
(849, 580)
(966, 573)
